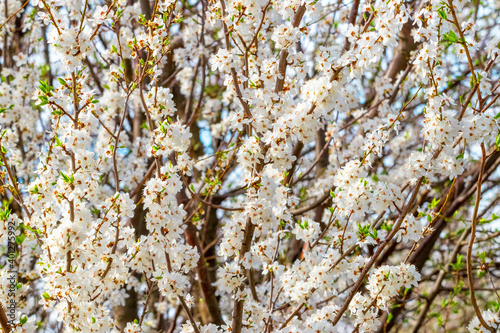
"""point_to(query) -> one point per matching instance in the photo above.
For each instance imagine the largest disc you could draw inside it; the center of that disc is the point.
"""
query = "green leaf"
(444, 303)
(43, 87)
(34, 190)
(442, 13)
(58, 142)
(31, 229)
(66, 178)
(23, 320)
(4, 214)
(20, 239)
(451, 37)
(61, 81)
(46, 296)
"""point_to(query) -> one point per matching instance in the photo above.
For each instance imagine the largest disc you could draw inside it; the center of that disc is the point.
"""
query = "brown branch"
(280, 81)
(437, 285)
(14, 14)
(380, 248)
(4, 321)
(471, 243)
(204, 276)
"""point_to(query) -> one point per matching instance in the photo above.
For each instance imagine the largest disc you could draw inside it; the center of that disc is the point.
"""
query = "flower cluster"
(249, 166)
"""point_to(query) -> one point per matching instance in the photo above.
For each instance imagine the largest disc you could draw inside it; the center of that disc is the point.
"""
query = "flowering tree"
(249, 166)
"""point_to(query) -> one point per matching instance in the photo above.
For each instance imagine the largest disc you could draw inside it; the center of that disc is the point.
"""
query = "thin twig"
(471, 243)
